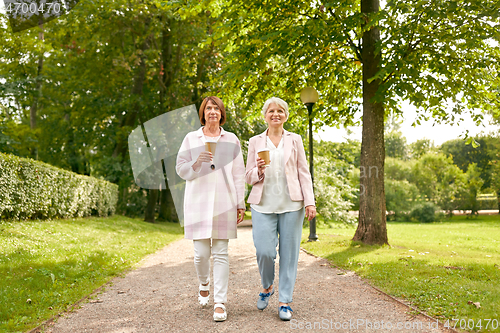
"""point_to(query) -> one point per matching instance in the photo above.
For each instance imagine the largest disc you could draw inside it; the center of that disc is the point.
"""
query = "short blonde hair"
(279, 102)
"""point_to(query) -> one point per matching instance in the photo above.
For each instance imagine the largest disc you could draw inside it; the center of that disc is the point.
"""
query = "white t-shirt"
(275, 195)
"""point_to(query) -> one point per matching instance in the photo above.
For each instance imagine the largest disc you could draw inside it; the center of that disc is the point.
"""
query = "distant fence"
(31, 189)
(487, 201)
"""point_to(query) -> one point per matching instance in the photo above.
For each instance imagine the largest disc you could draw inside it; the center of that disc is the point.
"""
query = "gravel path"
(161, 296)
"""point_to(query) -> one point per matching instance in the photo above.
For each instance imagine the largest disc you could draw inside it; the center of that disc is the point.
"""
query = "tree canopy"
(440, 56)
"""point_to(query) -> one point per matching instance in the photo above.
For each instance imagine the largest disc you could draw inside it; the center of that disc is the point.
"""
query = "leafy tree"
(401, 194)
(440, 181)
(430, 53)
(420, 147)
(398, 169)
(473, 185)
(111, 67)
(21, 86)
(395, 145)
(343, 154)
(464, 155)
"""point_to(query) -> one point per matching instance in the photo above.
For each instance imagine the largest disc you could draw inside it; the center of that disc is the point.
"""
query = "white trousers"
(203, 248)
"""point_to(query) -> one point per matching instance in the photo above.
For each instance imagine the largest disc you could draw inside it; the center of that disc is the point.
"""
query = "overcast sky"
(438, 133)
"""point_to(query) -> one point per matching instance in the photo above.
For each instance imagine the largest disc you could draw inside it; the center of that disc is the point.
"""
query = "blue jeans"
(268, 231)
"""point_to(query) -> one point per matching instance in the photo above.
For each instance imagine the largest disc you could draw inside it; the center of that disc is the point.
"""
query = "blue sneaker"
(285, 312)
(263, 300)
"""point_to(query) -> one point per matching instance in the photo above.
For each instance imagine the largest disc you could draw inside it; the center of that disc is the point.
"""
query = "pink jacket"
(298, 177)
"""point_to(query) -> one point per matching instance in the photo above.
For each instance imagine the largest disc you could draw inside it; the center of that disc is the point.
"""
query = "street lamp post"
(309, 97)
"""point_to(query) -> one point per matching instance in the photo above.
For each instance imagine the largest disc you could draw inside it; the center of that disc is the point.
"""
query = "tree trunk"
(151, 206)
(167, 207)
(372, 212)
(168, 71)
(38, 93)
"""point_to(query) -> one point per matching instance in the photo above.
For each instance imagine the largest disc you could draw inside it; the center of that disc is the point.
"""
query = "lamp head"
(309, 95)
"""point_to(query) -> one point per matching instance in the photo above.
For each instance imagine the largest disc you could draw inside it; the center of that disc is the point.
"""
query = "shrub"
(425, 212)
(31, 189)
(332, 192)
(400, 198)
(440, 181)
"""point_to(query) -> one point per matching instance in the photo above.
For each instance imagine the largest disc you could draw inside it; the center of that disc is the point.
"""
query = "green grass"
(47, 265)
(439, 267)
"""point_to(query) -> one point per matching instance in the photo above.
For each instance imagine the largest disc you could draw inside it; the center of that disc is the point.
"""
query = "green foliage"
(336, 179)
(440, 181)
(34, 190)
(433, 54)
(432, 179)
(354, 182)
(395, 145)
(400, 198)
(464, 155)
(344, 155)
(57, 263)
(111, 67)
(425, 212)
(420, 147)
(332, 192)
(401, 194)
(473, 185)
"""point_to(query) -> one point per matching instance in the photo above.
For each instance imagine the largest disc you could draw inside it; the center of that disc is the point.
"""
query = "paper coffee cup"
(210, 146)
(264, 154)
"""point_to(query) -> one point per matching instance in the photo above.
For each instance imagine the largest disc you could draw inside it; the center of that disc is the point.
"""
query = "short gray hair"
(279, 102)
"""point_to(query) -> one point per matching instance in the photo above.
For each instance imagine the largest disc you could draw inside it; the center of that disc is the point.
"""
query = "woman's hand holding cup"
(204, 157)
(261, 166)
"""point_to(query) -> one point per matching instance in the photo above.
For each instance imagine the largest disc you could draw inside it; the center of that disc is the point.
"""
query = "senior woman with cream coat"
(282, 193)
(214, 201)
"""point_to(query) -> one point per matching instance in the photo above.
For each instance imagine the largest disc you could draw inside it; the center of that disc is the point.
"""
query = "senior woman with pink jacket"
(282, 193)
(214, 201)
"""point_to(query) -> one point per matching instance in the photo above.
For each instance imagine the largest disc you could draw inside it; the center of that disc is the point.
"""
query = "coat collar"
(287, 143)
(264, 134)
(200, 134)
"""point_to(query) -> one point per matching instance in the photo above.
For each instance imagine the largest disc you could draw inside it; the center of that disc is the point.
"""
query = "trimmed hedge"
(31, 189)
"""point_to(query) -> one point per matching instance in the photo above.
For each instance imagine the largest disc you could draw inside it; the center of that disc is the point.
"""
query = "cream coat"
(212, 197)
